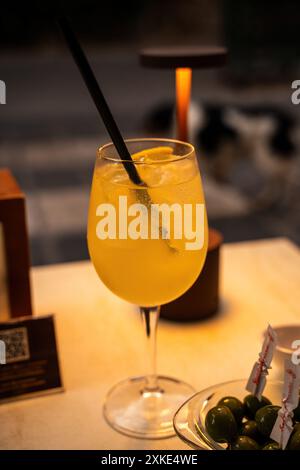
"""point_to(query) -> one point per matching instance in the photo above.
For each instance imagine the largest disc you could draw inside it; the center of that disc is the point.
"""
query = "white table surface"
(101, 341)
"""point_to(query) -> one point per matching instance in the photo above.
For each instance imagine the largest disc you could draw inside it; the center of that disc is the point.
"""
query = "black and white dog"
(225, 133)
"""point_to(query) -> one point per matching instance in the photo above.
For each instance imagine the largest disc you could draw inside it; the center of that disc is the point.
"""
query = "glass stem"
(150, 317)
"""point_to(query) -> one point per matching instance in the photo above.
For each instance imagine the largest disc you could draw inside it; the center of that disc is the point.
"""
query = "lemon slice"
(145, 155)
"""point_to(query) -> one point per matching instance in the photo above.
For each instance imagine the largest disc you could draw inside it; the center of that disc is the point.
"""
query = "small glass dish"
(286, 335)
(189, 420)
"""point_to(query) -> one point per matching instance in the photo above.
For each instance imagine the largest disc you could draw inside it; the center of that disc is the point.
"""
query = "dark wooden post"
(16, 246)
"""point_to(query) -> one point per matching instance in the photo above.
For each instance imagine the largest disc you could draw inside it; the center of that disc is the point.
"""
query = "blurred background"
(243, 122)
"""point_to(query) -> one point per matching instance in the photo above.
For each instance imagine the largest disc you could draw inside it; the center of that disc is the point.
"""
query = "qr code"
(16, 344)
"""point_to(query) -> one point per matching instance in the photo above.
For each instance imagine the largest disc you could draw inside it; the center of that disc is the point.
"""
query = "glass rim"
(190, 152)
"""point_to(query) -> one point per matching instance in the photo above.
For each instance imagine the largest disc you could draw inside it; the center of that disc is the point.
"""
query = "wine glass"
(148, 244)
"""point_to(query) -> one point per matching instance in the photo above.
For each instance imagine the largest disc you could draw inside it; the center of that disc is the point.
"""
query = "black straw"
(98, 98)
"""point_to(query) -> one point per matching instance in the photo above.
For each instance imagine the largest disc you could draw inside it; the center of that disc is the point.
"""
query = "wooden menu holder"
(30, 364)
(14, 247)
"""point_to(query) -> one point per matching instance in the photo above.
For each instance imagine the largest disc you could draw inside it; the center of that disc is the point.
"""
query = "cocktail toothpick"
(258, 376)
(283, 427)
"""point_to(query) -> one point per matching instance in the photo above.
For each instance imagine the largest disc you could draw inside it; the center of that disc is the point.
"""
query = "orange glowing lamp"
(202, 298)
(183, 60)
(183, 96)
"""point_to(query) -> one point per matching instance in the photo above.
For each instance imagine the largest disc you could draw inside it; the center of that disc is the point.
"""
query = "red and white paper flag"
(283, 426)
(257, 380)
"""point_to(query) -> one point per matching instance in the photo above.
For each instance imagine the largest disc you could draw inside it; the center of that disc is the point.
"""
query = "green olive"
(296, 427)
(220, 424)
(245, 443)
(271, 446)
(252, 404)
(235, 405)
(250, 429)
(265, 418)
(296, 412)
(294, 442)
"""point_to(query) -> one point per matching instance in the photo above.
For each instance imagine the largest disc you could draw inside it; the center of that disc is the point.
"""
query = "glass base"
(137, 412)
